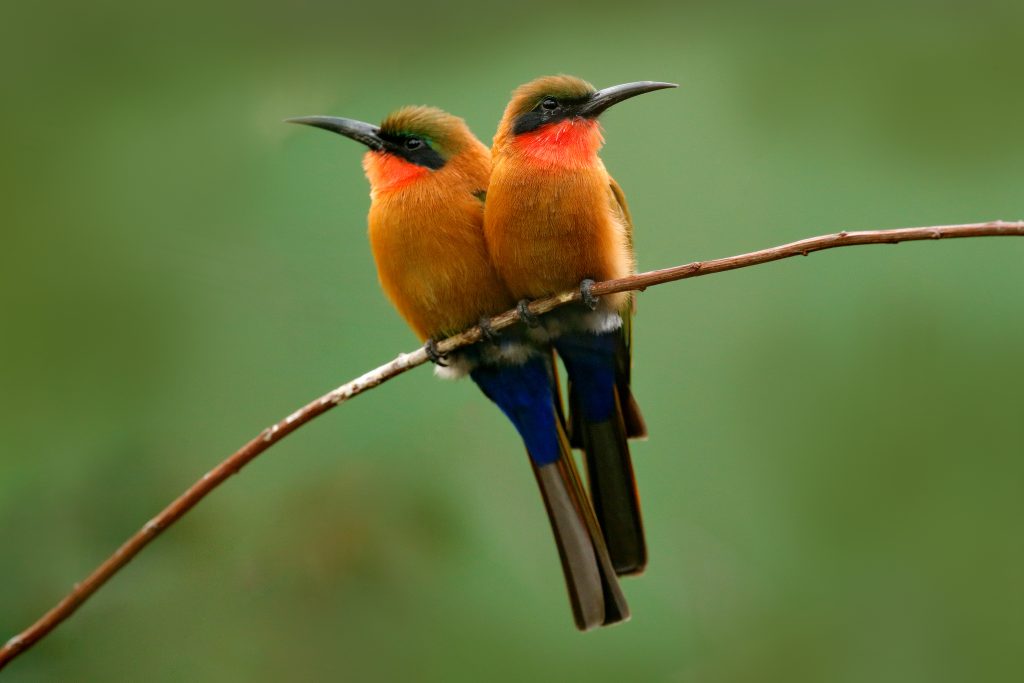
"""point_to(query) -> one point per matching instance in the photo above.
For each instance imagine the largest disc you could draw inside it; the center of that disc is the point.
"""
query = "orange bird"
(428, 175)
(556, 220)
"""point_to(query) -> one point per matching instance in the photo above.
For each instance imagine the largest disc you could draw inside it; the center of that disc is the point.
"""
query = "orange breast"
(432, 261)
(552, 219)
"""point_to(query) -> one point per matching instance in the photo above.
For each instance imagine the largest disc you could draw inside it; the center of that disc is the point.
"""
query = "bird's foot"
(525, 314)
(433, 354)
(589, 300)
(487, 330)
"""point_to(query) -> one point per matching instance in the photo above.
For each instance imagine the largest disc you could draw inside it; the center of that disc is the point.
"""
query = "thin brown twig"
(406, 361)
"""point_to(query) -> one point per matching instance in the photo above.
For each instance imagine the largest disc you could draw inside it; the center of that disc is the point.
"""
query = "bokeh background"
(834, 483)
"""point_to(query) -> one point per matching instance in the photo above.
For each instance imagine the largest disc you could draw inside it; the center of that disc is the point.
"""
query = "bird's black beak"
(366, 133)
(602, 99)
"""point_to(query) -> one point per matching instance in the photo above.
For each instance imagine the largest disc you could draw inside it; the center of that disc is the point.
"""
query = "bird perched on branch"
(556, 220)
(428, 175)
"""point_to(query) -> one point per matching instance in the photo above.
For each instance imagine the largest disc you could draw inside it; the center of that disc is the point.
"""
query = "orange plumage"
(556, 220)
(553, 218)
(425, 227)
(428, 177)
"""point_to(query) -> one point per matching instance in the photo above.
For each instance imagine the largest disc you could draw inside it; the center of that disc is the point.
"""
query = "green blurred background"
(833, 488)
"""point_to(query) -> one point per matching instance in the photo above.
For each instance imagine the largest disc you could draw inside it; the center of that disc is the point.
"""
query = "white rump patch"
(566, 321)
(499, 352)
(458, 366)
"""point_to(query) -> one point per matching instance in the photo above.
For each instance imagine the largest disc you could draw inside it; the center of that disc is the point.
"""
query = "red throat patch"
(388, 172)
(572, 142)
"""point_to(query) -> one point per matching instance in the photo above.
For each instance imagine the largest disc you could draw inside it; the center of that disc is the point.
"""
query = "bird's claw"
(433, 354)
(526, 315)
(487, 330)
(589, 300)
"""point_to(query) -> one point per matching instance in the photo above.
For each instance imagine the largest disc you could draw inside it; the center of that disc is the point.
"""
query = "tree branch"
(406, 361)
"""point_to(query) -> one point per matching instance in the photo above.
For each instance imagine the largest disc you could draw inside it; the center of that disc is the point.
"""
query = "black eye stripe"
(419, 152)
(563, 108)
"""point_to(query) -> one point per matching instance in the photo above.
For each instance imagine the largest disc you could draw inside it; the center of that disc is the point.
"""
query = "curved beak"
(366, 133)
(602, 99)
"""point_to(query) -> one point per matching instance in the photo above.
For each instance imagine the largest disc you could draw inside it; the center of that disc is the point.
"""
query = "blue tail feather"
(599, 429)
(524, 394)
(590, 361)
(527, 394)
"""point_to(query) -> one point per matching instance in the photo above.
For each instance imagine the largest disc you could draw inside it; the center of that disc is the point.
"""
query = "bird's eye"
(413, 143)
(549, 103)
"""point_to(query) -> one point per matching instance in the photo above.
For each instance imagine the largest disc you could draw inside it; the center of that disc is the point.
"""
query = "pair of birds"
(460, 233)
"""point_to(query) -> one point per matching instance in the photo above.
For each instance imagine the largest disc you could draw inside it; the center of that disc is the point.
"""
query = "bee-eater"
(556, 220)
(428, 176)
